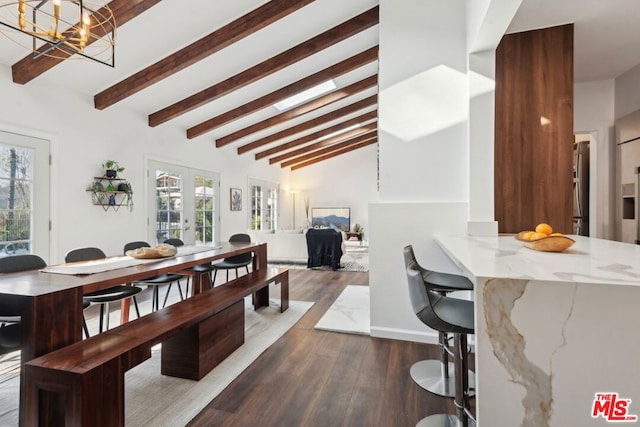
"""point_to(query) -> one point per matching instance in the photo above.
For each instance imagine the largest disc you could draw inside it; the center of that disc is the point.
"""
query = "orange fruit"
(556, 234)
(537, 236)
(527, 235)
(544, 228)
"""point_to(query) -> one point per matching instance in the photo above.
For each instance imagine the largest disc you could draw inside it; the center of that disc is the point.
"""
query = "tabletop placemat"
(97, 266)
(114, 263)
(189, 250)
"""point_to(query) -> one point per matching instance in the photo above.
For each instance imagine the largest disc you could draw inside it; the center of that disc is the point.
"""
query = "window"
(264, 205)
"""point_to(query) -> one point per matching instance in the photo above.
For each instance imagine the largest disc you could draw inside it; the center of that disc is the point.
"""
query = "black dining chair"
(205, 268)
(234, 262)
(156, 281)
(103, 296)
(12, 306)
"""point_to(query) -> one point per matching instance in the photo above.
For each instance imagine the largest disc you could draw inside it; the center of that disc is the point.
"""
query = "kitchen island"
(553, 330)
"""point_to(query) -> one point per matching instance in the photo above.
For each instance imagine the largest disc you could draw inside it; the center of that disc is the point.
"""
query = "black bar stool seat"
(452, 316)
(437, 376)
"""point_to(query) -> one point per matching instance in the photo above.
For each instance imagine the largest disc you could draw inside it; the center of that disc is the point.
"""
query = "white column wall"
(424, 173)
(481, 148)
(83, 138)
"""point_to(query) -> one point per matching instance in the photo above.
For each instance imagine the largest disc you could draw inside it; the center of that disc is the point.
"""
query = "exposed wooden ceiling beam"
(309, 124)
(329, 149)
(28, 68)
(333, 154)
(371, 115)
(300, 110)
(206, 46)
(268, 100)
(267, 67)
(364, 133)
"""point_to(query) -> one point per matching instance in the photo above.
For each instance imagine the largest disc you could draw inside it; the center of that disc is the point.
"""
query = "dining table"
(53, 315)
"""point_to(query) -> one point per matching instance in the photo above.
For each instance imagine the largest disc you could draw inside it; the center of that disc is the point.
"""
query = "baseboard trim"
(430, 337)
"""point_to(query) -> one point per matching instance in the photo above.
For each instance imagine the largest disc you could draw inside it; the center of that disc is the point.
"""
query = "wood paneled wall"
(534, 130)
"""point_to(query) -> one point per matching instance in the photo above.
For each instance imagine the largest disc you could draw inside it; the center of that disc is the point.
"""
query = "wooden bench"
(83, 384)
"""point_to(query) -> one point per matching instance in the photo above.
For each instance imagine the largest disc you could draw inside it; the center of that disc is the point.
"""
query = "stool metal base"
(443, 420)
(428, 375)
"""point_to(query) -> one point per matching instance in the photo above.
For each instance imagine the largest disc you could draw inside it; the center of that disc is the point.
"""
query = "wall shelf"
(104, 193)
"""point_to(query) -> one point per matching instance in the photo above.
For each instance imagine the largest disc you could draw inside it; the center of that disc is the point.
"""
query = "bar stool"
(453, 316)
(433, 375)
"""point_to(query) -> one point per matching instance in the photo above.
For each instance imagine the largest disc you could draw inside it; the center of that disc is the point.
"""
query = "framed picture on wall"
(236, 199)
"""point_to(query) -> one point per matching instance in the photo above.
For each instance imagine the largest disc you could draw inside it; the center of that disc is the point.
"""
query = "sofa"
(283, 245)
(286, 245)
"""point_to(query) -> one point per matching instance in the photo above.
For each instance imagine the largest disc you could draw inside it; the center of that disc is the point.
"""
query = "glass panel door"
(24, 195)
(183, 204)
(169, 203)
(205, 210)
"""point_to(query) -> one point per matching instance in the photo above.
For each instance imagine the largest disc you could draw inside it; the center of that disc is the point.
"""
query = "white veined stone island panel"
(552, 329)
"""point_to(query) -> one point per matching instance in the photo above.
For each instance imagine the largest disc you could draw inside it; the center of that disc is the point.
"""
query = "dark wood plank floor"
(318, 378)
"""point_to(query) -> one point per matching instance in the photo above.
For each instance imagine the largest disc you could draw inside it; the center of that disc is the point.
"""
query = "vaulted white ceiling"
(607, 43)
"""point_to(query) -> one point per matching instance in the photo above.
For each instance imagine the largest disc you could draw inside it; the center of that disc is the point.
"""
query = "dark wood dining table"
(53, 315)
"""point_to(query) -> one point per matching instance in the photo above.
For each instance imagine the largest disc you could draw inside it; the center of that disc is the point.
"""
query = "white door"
(24, 195)
(183, 204)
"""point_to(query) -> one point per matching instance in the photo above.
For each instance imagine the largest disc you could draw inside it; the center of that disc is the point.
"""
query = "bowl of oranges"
(544, 239)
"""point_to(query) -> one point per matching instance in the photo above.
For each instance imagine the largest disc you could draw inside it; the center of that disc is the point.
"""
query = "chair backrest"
(15, 263)
(135, 245)
(84, 254)
(409, 256)
(421, 298)
(242, 258)
(13, 305)
(174, 242)
(241, 237)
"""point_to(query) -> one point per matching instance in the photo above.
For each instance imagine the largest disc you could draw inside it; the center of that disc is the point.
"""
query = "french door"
(183, 203)
(24, 195)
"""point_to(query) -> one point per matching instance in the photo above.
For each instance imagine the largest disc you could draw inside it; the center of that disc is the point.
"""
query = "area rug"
(349, 313)
(355, 258)
(156, 400)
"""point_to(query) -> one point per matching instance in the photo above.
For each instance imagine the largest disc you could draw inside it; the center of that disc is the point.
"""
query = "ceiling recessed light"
(306, 95)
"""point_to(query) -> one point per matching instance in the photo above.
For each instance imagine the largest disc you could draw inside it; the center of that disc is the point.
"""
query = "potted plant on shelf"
(112, 168)
(98, 193)
(125, 186)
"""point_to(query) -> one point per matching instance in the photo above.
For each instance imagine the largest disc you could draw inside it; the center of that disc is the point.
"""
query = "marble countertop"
(589, 260)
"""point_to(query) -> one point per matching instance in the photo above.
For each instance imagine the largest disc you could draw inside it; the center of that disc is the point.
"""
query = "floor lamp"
(293, 193)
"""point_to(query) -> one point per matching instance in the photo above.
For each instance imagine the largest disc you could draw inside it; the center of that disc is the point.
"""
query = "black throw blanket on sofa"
(324, 247)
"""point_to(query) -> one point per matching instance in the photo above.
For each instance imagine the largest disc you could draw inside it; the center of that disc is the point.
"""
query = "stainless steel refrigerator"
(581, 188)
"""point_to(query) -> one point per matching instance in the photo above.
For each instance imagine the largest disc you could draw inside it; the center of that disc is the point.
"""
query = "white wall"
(424, 154)
(593, 109)
(410, 223)
(83, 138)
(348, 180)
(628, 92)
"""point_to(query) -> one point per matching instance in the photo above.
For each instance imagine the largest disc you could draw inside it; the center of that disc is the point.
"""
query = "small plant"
(126, 187)
(112, 168)
(98, 195)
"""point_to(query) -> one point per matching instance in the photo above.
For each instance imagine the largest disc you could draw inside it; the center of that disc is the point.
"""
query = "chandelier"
(61, 28)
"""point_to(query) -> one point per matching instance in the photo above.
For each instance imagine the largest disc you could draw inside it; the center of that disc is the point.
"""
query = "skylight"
(306, 95)
(338, 132)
